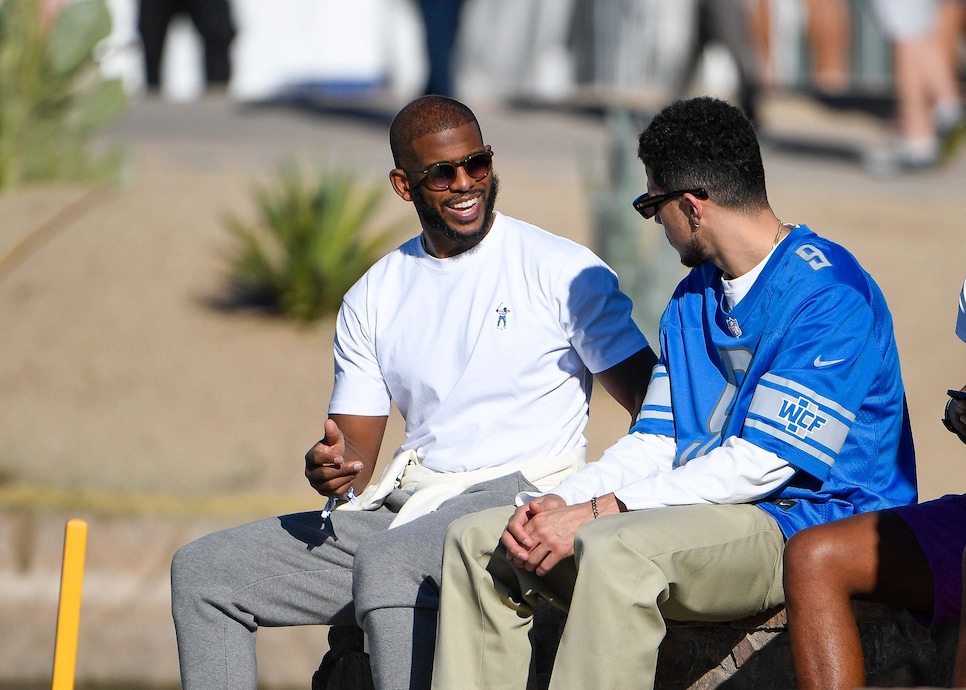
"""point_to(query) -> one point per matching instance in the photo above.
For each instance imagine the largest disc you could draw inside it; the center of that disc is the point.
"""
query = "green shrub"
(310, 244)
(53, 97)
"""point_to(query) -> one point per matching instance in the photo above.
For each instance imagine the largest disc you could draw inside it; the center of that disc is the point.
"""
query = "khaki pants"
(629, 573)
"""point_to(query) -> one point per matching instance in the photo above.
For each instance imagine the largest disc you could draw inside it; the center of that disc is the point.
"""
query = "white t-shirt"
(488, 355)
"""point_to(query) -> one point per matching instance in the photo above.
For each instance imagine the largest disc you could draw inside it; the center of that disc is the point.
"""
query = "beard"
(693, 254)
(433, 221)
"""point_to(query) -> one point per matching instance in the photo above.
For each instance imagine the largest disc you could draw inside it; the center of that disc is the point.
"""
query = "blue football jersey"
(805, 366)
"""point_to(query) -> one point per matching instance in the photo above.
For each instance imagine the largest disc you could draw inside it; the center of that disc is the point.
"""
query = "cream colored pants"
(629, 573)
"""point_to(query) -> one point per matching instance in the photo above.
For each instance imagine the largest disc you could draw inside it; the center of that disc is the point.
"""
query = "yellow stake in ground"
(68, 612)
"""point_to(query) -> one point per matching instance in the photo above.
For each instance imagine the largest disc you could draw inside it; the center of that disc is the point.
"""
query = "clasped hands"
(541, 533)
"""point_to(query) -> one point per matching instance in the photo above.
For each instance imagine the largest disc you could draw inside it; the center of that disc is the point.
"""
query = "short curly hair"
(706, 142)
(425, 115)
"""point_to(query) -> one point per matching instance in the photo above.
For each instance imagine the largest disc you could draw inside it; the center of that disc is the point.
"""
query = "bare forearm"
(357, 450)
(363, 439)
(627, 382)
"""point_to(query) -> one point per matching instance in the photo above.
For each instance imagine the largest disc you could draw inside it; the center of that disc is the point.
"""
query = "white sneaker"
(901, 158)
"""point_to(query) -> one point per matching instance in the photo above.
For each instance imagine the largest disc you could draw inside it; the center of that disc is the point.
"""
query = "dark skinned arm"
(627, 381)
(346, 455)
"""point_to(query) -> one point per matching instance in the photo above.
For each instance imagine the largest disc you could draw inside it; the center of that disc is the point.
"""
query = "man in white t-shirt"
(486, 333)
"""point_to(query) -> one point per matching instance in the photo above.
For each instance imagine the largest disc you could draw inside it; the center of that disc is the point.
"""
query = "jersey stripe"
(800, 417)
(657, 400)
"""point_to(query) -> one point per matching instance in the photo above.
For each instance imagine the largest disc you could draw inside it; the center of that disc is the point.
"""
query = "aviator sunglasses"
(439, 176)
(648, 205)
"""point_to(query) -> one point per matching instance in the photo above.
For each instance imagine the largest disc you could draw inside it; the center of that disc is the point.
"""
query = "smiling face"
(457, 218)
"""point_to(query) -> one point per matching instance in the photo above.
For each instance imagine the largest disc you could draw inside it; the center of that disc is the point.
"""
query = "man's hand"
(541, 534)
(325, 465)
(956, 416)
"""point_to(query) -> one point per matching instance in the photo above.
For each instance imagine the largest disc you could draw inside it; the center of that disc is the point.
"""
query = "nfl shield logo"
(734, 327)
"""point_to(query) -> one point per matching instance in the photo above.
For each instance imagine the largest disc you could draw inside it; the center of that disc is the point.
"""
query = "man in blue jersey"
(777, 404)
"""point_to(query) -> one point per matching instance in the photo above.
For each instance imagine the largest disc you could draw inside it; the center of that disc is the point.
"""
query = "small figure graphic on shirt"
(501, 319)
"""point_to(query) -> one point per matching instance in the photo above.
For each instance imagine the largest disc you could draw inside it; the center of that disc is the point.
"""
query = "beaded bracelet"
(593, 506)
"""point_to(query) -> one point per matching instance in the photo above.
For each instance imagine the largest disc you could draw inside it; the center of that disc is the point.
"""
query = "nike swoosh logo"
(819, 362)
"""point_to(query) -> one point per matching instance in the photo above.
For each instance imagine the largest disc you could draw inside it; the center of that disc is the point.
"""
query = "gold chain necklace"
(781, 226)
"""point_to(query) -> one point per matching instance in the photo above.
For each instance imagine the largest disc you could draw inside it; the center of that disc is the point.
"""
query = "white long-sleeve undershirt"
(639, 470)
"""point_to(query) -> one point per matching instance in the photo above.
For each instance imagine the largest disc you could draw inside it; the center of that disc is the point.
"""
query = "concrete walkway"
(126, 399)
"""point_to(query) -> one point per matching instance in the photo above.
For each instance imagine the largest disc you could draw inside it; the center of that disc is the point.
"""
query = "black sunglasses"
(648, 205)
(439, 176)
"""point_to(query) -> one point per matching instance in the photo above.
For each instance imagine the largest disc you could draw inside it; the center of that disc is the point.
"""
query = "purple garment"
(940, 528)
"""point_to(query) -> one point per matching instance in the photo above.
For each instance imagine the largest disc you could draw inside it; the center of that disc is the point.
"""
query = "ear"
(695, 211)
(400, 184)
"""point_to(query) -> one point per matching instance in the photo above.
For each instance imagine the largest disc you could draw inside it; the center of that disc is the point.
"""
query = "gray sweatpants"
(293, 570)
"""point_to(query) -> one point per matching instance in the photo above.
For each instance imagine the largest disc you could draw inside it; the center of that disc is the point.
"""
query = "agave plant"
(53, 97)
(310, 244)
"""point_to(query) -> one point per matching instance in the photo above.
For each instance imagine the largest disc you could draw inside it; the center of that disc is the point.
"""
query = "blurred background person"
(441, 20)
(212, 19)
(829, 34)
(930, 109)
(952, 21)
(760, 20)
(729, 23)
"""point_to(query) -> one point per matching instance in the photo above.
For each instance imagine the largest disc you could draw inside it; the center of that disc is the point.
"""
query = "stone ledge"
(747, 654)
